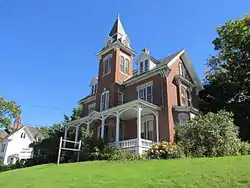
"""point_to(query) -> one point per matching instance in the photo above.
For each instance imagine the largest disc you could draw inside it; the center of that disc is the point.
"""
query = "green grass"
(213, 172)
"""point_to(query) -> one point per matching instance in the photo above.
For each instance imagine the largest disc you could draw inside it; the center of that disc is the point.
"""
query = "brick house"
(135, 108)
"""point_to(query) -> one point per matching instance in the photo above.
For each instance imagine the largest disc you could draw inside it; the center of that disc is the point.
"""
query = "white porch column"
(139, 148)
(102, 128)
(117, 129)
(157, 126)
(88, 126)
(65, 137)
(76, 135)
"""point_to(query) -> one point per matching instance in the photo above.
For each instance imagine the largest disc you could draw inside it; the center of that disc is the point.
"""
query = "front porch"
(141, 119)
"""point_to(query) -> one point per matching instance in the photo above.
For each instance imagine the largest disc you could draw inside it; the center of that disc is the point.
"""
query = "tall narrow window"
(183, 96)
(146, 66)
(126, 66)
(141, 67)
(107, 65)
(3, 147)
(119, 98)
(122, 62)
(189, 102)
(104, 105)
(146, 94)
(147, 130)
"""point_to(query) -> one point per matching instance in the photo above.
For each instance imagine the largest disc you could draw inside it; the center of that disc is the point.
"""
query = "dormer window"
(93, 88)
(107, 64)
(182, 70)
(144, 66)
(124, 65)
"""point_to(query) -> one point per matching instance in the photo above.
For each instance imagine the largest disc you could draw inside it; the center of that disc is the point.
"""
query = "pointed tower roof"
(117, 28)
(118, 32)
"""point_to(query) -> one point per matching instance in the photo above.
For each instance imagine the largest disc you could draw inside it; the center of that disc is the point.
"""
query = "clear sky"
(47, 47)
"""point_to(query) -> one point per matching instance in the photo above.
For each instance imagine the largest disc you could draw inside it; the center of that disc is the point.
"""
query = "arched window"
(104, 103)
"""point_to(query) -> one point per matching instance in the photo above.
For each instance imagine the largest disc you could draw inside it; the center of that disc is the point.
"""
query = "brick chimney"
(145, 50)
(17, 123)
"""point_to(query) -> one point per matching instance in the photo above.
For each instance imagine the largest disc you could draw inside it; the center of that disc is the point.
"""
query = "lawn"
(212, 172)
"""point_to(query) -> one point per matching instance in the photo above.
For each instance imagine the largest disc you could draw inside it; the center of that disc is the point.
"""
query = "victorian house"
(135, 108)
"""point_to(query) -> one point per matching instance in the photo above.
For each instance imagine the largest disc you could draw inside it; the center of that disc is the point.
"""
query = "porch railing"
(128, 143)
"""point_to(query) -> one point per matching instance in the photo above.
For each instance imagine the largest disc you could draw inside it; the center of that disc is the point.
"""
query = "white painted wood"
(59, 151)
(102, 128)
(117, 128)
(157, 127)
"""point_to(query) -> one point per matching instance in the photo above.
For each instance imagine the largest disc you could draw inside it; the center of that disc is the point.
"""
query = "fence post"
(59, 151)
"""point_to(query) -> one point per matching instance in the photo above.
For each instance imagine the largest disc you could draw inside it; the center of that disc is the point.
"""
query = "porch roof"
(115, 111)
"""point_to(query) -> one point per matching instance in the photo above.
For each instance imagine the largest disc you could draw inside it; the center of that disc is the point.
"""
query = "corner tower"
(115, 62)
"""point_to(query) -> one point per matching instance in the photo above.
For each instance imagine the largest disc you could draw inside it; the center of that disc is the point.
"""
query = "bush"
(18, 164)
(1, 161)
(123, 155)
(211, 135)
(164, 150)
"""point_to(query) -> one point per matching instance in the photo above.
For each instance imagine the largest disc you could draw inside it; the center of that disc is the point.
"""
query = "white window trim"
(122, 96)
(143, 66)
(146, 119)
(125, 57)
(143, 86)
(106, 101)
(103, 62)
(90, 106)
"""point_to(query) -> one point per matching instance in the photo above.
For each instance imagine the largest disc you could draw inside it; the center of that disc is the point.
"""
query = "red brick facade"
(166, 90)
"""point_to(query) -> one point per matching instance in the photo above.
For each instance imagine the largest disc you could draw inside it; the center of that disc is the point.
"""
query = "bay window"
(185, 96)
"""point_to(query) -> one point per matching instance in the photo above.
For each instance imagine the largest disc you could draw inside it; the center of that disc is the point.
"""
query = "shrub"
(1, 161)
(164, 150)
(211, 135)
(124, 155)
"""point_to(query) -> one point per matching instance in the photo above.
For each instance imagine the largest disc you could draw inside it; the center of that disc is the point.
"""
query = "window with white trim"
(124, 65)
(94, 88)
(144, 66)
(3, 147)
(91, 108)
(182, 70)
(146, 93)
(185, 96)
(120, 98)
(147, 129)
(107, 64)
(104, 103)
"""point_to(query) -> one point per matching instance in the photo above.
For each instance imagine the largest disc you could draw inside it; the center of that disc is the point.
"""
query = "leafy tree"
(227, 83)
(211, 135)
(8, 111)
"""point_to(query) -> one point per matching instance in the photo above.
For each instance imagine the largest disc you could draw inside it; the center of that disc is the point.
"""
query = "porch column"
(65, 137)
(117, 129)
(76, 135)
(139, 149)
(88, 125)
(157, 126)
(102, 128)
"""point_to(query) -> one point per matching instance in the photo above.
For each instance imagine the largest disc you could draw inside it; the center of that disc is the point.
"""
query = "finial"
(118, 16)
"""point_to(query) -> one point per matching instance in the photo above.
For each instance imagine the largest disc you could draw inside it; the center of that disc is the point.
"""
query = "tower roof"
(117, 28)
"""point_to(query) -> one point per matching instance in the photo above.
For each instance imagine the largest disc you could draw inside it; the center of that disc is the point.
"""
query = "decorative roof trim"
(87, 99)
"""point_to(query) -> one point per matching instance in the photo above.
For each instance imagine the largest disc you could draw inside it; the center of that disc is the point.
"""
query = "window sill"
(106, 74)
(124, 73)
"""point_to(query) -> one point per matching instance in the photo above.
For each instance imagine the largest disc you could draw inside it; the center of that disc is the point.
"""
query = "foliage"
(220, 172)
(211, 135)
(8, 111)
(1, 161)
(18, 164)
(165, 150)
(227, 83)
(123, 155)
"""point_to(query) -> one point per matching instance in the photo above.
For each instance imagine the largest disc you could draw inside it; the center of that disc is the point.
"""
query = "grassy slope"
(214, 172)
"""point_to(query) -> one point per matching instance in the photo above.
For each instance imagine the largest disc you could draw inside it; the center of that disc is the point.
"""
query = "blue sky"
(47, 48)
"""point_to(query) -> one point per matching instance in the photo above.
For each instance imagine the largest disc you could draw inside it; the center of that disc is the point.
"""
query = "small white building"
(15, 145)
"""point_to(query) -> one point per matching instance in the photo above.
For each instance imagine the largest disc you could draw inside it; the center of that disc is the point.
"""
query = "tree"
(227, 83)
(8, 111)
(211, 135)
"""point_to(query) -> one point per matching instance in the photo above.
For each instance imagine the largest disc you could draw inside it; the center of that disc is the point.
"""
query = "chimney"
(18, 123)
(145, 50)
